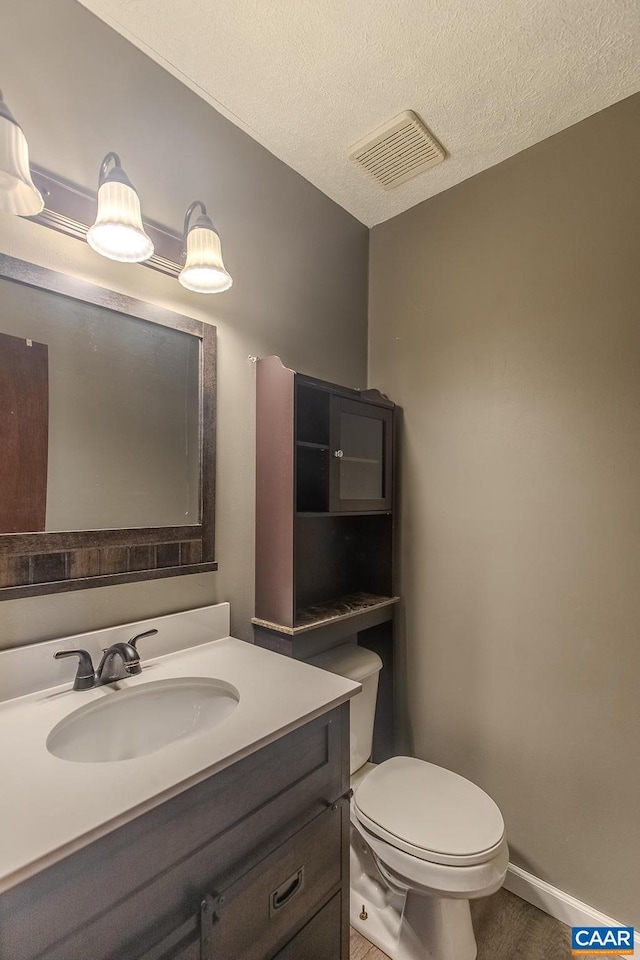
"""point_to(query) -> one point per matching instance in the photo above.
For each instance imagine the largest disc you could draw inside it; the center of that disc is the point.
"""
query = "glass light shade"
(118, 232)
(18, 193)
(204, 271)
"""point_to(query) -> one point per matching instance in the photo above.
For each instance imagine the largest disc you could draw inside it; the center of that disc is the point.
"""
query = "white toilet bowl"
(424, 841)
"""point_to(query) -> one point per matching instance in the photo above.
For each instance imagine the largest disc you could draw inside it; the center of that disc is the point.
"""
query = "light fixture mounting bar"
(70, 209)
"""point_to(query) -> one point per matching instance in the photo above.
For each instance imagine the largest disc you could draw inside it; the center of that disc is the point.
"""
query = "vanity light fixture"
(118, 233)
(18, 193)
(203, 271)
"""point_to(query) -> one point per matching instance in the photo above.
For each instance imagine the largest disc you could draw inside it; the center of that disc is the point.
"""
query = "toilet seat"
(429, 812)
(445, 880)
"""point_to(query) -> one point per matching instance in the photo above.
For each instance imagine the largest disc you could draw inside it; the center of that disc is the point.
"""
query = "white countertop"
(50, 807)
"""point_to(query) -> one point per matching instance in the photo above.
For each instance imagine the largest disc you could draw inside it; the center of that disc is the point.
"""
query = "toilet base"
(436, 928)
(383, 906)
(431, 929)
(407, 925)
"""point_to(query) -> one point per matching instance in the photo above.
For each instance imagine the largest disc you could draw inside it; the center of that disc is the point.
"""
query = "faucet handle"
(141, 636)
(85, 676)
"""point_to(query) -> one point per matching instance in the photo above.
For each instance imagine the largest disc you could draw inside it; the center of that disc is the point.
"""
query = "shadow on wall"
(459, 701)
(403, 736)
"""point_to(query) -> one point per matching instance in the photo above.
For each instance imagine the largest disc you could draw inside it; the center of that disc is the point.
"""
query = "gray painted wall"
(505, 320)
(299, 264)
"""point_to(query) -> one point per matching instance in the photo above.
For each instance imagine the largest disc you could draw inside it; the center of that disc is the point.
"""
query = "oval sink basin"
(130, 723)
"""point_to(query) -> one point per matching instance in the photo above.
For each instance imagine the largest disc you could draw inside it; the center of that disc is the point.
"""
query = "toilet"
(424, 841)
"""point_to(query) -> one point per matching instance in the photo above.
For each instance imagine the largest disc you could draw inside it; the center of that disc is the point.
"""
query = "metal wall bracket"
(207, 914)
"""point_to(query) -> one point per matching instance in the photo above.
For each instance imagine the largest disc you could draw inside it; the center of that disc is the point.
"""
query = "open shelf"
(343, 513)
(312, 477)
(331, 611)
(312, 416)
(341, 557)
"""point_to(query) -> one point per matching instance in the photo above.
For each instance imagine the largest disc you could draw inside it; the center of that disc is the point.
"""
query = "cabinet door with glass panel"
(361, 445)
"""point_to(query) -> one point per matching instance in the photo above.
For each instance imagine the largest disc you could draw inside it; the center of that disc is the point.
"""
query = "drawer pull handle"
(287, 891)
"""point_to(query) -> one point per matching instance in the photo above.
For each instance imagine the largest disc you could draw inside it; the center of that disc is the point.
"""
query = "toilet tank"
(362, 665)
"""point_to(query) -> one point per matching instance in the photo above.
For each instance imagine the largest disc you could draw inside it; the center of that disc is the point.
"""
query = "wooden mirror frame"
(32, 564)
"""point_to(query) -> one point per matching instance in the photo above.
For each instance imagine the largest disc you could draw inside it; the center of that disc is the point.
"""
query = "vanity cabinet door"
(320, 939)
(182, 944)
(192, 952)
(253, 917)
(258, 913)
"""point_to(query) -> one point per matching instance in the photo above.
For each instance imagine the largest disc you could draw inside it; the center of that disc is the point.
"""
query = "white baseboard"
(557, 903)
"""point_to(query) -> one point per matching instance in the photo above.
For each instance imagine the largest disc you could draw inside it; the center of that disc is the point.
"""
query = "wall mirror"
(107, 436)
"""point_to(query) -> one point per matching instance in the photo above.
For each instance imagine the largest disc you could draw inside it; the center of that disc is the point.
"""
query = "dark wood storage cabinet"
(324, 476)
(324, 520)
(343, 452)
(250, 864)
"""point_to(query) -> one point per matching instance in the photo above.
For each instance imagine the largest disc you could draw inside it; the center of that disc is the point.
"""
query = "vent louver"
(397, 151)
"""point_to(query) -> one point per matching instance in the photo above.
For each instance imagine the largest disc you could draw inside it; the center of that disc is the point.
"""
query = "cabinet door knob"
(338, 453)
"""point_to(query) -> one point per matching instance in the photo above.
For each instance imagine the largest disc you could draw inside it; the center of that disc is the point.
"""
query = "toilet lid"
(429, 812)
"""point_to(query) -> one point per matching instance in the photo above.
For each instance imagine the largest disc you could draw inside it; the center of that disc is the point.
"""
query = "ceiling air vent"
(397, 151)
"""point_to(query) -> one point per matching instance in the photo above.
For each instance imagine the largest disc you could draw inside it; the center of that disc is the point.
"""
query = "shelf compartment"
(316, 514)
(341, 556)
(339, 609)
(312, 415)
(312, 478)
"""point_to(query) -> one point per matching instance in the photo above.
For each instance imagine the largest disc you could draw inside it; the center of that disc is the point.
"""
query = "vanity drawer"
(256, 915)
(320, 939)
(251, 918)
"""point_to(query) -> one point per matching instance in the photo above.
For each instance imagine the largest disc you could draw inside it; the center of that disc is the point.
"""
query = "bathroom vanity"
(231, 843)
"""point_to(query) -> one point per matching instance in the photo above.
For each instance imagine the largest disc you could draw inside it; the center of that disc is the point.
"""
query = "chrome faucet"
(119, 661)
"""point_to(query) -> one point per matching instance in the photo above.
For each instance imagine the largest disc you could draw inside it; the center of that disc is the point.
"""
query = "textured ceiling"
(308, 78)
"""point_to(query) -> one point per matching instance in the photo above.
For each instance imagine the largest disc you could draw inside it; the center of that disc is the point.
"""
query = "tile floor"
(506, 928)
